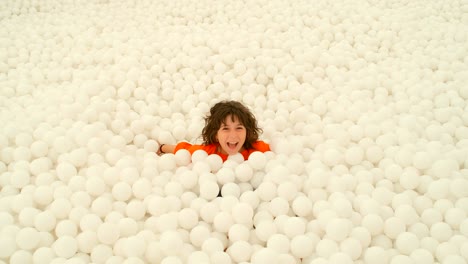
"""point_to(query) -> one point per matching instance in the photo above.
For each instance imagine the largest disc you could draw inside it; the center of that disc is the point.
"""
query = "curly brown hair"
(236, 110)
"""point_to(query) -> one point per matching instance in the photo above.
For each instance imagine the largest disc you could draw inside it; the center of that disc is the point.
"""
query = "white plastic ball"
(101, 253)
(20, 256)
(393, 227)
(95, 186)
(279, 206)
(294, 226)
(406, 243)
(225, 175)
(209, 190)
(444, 250)
(108, 233)
(244, 172)
(198, 257)
(265, 255)
(441, 231)
(167, 162)
(280, 243)
(199, 234)
(66, 227)
(90, 222)
(266, 191)
(223, 221)
(421, 255)
(141, 188)
(121, 191)
(8, 246)
(257, 160)
(454, 259)
(239, 232)
(459, 187)
(302, 246)
(134, 246)
(220, 257)
(231, 189)
(212, 245)
(409, 179)
(199, 155)
(65, 171)
(215, 162)
(65, 246)
(43, 255)
(422, 160)
(183, 157)
(338, 229)
(19, 179)
(302, 206)
(188, 218)
(373, 223)
(351, 247)
(265, 229)
(27, 215)
(171, 242)
(454, 217)
(375, 254)
(27, 238)
(443, 168)
(240, 251)
(287, 190)
(354, 155)
(326, 248)
(242, 213)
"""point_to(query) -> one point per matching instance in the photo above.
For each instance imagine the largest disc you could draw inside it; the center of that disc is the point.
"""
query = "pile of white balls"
(364, 104)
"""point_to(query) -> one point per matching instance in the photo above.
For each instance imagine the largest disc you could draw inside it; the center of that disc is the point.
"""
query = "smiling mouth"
(232, 145)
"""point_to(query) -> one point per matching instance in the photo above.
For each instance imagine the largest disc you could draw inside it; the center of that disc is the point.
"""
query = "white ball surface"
(326, 248)
(66, 228)
(65, 171)
(27, 238)
(134, 246)
(422, 256)
(209, 190)
(188, 218)
(302, 206)
(240, 251)
(367, 123)
(244, 172)
(265, 255)
(406, 243)
(171, 242)
(441, 231)
(242, 213)
(375, 254)
(65, 246)
(8, 246)
(302, 246)
(108, 233)
(257, 160)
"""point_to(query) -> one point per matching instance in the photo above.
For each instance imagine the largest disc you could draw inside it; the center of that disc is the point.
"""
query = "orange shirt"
(213, 149)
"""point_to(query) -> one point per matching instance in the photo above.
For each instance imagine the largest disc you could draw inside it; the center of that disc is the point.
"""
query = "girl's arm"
(166, 148)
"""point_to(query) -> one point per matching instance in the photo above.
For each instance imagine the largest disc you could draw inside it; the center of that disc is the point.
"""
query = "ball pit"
(363, 103)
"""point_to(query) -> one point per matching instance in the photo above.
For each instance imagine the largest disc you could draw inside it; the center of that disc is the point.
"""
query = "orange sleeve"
(192, 148)
(261, 146)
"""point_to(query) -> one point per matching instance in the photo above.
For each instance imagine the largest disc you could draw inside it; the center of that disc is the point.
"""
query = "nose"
(232, 134)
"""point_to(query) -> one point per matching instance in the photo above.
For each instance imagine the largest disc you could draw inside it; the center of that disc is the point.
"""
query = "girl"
(229, 129)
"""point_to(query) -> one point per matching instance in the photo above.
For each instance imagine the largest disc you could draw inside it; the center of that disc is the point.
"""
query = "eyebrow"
(224, 124)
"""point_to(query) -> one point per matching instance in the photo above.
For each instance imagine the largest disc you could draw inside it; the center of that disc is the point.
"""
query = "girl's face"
(231, 136)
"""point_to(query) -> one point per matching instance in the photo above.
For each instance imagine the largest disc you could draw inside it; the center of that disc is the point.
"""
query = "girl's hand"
(160, 150)
(165, 148)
